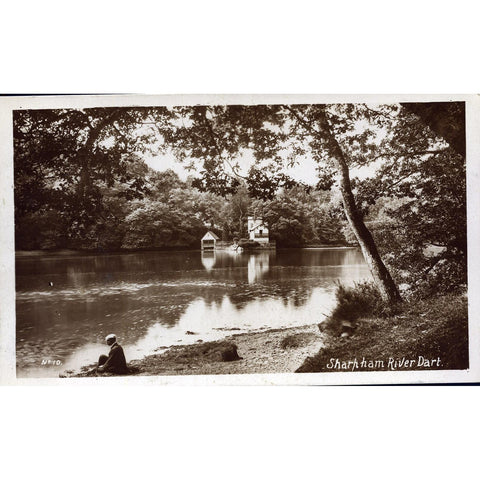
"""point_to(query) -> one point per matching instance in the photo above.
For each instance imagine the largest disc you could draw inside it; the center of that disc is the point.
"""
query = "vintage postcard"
(240, 239)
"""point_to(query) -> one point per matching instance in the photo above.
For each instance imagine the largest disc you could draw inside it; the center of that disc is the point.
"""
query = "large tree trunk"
(381, 275)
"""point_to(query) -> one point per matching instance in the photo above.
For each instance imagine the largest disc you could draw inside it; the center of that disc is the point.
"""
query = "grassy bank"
(425, 335)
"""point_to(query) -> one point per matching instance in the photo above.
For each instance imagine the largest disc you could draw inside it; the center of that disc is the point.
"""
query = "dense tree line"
(175, 214)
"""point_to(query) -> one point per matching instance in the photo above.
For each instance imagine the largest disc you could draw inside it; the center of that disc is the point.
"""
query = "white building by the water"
(209, 240)
(258, 230)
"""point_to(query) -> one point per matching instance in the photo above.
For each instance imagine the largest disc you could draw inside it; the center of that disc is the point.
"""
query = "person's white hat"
(110, 336)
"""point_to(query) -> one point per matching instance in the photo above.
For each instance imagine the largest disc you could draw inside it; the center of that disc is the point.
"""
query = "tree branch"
(376, 112)
(399, 155)
(217, 148)
(304, 122)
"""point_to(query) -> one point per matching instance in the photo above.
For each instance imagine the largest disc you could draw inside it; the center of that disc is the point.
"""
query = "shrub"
(358, 301)
(353, 303)
(246, 244)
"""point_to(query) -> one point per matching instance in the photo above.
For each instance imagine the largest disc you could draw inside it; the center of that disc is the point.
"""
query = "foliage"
(353, 303)
(416, 205)
(157, 225)
(433, 328)
(172, 214)
(177, 215)
(297, 217)
(361, 300)
(247, 243)
(235, 213)
(68, 156)
(41, 230)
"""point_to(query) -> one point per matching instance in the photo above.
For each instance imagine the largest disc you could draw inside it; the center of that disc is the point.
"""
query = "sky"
(304, 171)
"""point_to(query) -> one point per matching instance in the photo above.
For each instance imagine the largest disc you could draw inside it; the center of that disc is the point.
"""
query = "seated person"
(115, 361)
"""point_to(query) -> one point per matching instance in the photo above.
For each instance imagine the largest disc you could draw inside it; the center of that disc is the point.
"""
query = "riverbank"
(427, 335)
(267, 351)
(430, 334)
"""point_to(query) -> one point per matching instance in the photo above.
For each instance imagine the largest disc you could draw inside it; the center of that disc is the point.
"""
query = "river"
(67, 303)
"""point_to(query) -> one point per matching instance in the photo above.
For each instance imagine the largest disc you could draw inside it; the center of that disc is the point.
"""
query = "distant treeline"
(175, 214)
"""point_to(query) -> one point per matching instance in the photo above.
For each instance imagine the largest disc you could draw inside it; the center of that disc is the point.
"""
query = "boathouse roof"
(210, 236)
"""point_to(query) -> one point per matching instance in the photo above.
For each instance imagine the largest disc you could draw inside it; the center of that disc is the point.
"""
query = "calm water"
(150, 300)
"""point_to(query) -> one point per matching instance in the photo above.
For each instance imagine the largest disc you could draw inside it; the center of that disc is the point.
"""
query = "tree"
(68, 157)
(297, 217)
(446, 119)
(391, 138)
(217, 135)
(286, 219)
(326, 130)
(417, 199)
(172, 214)
(235, 213)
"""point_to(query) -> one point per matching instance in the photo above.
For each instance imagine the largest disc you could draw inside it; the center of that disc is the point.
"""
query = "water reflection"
(258, 265)
(153, 299)
(208, 260)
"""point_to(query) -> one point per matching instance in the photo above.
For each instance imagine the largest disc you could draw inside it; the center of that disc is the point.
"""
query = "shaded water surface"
(151, 300)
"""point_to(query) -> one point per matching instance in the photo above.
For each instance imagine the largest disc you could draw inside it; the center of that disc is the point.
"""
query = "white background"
(239, 47)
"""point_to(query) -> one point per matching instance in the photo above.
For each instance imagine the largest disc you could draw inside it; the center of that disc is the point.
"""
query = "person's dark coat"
(115, 362)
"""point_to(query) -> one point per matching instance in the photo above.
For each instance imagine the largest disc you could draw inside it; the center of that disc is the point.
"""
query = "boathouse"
(209, 241)
(258, 230)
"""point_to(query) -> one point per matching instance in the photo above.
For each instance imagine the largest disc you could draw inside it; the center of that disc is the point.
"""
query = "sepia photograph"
(240, 237)
(198, 198)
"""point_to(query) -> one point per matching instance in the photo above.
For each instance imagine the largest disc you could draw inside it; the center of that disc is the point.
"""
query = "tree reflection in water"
(153, 299)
